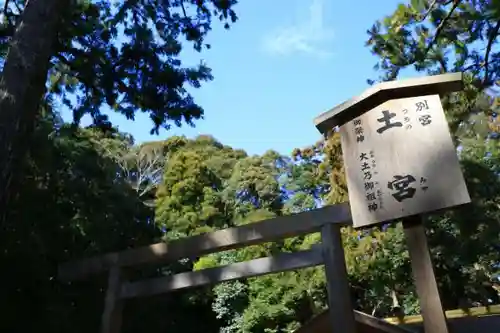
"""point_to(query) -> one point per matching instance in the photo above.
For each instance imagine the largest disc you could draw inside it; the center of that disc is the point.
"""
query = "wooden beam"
(280, 263)
(222, 240)
(379, 324)
(378, 94)
(364, 323)
(111, 321)
(337, 282)
(423, 275)
(491, 310)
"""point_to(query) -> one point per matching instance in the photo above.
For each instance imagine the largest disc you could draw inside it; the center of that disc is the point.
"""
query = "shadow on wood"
(364, 324)
(221, 240)
(328, 218)
(479, 319)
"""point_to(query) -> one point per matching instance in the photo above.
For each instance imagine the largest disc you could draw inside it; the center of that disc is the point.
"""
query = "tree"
(121, 54)
(75, 202)
(71, 204)
(22, 85)
(254, 185)
(142, 166)
(439, 36)
(190, 198)
(445, 36)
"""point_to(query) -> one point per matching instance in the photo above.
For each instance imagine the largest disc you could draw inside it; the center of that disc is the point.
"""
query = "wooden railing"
(327, 220)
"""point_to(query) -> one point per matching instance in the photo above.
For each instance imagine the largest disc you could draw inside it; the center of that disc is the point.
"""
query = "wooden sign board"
(400, 161)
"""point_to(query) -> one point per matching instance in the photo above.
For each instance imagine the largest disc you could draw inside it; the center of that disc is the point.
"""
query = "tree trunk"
(22, 86)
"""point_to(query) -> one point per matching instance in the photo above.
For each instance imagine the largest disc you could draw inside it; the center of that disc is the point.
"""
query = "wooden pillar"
(112, 316)
(423, 275)
(339, 296)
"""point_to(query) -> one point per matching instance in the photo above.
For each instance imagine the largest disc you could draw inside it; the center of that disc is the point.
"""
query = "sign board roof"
(379, 93)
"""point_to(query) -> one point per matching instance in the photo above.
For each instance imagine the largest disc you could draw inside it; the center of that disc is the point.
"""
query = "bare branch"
(431, 7)
(183, 9)
(491, 39)
(6, 6)
(19, 9)
(440, 28)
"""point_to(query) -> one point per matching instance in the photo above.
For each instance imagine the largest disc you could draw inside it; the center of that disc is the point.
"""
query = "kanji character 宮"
(402, 188)
(425, 119)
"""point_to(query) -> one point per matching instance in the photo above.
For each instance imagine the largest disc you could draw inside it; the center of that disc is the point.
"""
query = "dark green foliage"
(439, 36)
(125, 55)
(71, 205)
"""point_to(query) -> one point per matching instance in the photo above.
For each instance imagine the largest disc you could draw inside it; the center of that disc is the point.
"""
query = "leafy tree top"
(125, 55)
(439, 36)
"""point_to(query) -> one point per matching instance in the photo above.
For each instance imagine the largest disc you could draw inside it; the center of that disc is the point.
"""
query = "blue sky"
(283, 63)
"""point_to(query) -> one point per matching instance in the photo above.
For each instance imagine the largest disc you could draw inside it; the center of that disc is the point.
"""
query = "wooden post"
(112, 315)
(339, 296)
(423, 275)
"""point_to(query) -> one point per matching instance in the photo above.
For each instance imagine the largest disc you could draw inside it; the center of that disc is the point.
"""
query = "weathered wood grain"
(424, 277)
(232, 238)
(339, 295)
(111, 320)
(279, 263)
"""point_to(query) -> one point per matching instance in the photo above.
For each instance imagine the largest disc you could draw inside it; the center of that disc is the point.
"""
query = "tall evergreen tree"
(124, 55)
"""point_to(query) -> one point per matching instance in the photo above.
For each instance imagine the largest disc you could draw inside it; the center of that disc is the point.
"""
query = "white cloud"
(309, 37)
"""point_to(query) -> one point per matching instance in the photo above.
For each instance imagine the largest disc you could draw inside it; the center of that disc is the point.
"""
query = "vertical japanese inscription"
(422, 109)
(373, 193)
(358, 130)
(407, 119)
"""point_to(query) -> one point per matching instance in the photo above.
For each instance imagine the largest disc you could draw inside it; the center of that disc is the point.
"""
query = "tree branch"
(5, 7)
(431, 7)
(442, 62)
(65, 61)
(440, 27)
(491, 39)
(183, 9)
(10, 16)
(74, 71)
(472, 66)
(18, 8)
